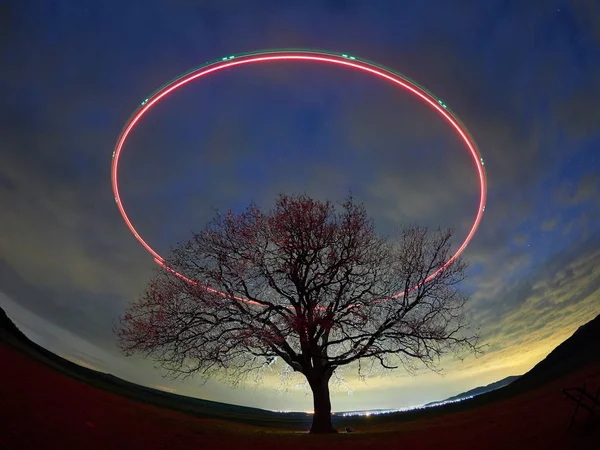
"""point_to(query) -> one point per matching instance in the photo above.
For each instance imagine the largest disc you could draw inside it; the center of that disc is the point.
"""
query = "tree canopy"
(315, 287)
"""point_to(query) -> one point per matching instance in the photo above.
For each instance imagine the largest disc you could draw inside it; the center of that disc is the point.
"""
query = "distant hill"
(479, 390)
(581, 349)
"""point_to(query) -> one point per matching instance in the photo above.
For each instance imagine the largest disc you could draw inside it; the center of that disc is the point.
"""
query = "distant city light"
(392, 411)
(367, 413)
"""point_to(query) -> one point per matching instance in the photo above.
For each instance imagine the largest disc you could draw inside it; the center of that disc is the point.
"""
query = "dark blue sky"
(523, 76)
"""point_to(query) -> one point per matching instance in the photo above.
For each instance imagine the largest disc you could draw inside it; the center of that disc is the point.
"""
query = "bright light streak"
(343, 60)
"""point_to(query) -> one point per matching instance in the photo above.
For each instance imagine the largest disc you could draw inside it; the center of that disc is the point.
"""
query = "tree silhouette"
(314, 287)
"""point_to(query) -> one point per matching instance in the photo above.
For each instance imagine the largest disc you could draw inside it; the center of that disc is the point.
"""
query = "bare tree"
(314, 287)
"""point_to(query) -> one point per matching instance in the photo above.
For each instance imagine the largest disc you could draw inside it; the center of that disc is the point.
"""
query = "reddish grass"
(42, 409)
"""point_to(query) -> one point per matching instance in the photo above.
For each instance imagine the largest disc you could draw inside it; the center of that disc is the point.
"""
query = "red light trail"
(343, 60)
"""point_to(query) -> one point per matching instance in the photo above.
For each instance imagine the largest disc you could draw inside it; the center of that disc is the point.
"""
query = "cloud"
(59, 340)
(532, 317)
(571, 193)
(521, 239)
(587, 14)
(549, 224)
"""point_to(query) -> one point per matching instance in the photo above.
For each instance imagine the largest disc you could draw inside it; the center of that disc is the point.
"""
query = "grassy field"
(41, 408)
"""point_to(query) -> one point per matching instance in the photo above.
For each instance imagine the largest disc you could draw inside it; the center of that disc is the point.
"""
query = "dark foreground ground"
(43, 409)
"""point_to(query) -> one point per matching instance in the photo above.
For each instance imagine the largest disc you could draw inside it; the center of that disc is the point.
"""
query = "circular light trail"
(340, 59)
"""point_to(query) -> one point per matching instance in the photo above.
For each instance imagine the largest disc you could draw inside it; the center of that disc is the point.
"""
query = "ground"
(43, 409)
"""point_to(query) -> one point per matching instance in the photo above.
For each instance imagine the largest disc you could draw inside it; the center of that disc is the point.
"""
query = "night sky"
(524, 76)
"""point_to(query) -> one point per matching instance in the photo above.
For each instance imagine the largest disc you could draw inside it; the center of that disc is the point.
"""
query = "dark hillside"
(12, 336)
(581, 349)
(8, 330)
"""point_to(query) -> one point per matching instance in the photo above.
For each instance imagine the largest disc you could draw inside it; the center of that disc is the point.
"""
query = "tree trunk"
(322, 404)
